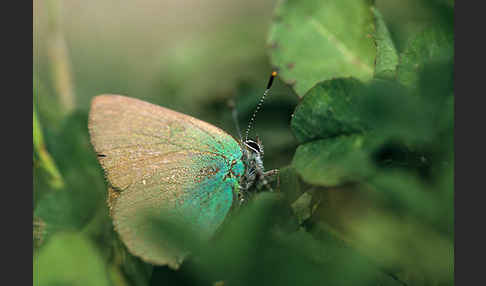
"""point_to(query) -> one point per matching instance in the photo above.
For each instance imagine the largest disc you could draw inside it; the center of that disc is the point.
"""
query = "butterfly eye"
(252, 145)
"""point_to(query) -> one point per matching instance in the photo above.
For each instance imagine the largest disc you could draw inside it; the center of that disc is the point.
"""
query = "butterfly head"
(252, 152)
(254, 146)
(253, 161)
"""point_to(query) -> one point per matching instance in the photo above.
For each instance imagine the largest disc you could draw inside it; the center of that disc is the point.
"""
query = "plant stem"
(59, 57)
(46, 162)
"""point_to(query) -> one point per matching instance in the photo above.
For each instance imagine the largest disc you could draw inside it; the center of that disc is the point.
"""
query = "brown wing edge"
(104, 97)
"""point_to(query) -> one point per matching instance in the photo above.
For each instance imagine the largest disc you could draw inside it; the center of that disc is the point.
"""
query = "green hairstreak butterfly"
(155, 158)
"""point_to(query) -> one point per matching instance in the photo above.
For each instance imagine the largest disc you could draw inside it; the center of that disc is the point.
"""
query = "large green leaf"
(69, 259)
(329, 109)
(334, 161)
(402, 127)
(317, 40)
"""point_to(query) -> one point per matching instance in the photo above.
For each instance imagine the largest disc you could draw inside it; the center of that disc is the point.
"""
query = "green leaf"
(399, 113)
(429, 45)
(64, 211)
(406, 194)
(69, 259)
(329, 109)
(357, 214)
(386, 53)
(313, 41)
(302, 207)
(334, 161)
(347, 106)
(394, 112)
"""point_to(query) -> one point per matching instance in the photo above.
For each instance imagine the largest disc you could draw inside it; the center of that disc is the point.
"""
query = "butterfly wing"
(158, 159)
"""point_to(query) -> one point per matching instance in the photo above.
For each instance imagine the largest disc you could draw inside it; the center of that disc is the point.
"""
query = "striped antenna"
(252, 119)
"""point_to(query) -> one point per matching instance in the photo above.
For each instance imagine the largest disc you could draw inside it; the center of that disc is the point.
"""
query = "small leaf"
(329, 109)
(334, 161)
(313, 41)
(386, 53)
(302, 207)
(69, 259)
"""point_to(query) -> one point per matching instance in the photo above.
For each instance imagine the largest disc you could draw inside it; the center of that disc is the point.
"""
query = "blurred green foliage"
(360, 124)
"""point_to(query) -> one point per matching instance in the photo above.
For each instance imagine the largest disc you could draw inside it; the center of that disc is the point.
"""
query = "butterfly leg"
(264, 182)
(244, 193)
(272, 173)
(242, 196)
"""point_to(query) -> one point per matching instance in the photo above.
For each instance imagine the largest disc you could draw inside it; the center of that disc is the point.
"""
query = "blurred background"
(190, 56)
(194, 57)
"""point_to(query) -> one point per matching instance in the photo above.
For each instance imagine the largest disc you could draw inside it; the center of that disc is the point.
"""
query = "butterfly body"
(157, 159)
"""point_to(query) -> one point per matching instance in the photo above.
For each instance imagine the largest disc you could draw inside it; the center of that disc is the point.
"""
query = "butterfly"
(157, 159)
